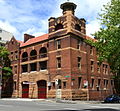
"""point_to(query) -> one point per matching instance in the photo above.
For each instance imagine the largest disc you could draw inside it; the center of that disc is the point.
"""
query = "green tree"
(6, 72)
(108, 37)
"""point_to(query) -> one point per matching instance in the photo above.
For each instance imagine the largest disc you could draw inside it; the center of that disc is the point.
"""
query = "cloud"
(92, 27)
(31, 16)
(7, 26)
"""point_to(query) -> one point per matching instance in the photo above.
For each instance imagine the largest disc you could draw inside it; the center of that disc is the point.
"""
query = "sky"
(31, 16)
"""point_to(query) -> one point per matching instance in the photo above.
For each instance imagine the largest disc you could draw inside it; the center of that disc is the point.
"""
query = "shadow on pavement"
(98, 109)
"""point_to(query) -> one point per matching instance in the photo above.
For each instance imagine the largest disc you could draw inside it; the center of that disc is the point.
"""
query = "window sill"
(25, 73)
(33, 71)
(43, 70)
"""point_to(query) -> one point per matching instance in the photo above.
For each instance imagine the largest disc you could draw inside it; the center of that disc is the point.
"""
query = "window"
(24, 57)
(58, 44)
(77, 27)
(79, 42)
(43, 52)
(11, 52)
(99, 82)
(92, 83)
(43, 65)
(92, 66)
(15, 69)
(98, 86)
(79, 82)
(15, 85)
(103, 68)
(64, 84)
(112, 82)
(91, 50)
(25, 68)
(16, 55)
(59, 62)
(105, 83)
(79, 62)
(33, 66)
(98, 67)
(106, 69)
(58, 27)
(33, 55)
(53, 84)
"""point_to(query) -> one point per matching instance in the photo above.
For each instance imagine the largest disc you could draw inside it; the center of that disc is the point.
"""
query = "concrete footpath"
(51, 100)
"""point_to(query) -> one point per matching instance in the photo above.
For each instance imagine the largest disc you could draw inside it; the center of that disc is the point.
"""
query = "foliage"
(108, 37)
(3, 55)
(7, 71)
(5, 63)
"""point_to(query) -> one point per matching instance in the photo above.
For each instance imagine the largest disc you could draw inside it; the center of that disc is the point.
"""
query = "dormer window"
(77, 27)
(58, 27)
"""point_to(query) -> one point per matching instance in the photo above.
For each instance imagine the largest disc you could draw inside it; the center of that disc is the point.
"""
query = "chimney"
(27, 37)
(68, 8)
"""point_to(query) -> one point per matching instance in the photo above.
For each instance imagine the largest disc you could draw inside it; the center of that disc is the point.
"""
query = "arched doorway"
(25, 90)
(42, 89)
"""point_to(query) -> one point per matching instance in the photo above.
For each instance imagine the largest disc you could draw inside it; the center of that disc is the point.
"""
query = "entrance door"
(25, 90)
(42, 89)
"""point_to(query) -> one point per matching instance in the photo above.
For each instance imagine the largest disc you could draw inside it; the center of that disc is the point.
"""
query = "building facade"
(4, 37)
(59, 64)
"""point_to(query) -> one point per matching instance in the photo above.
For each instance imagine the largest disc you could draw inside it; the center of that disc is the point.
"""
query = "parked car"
(112, 99)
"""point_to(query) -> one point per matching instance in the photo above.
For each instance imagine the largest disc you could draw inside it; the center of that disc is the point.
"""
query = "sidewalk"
(52, 100)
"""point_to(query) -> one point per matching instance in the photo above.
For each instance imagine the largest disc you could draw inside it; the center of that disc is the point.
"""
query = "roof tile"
(34, 40)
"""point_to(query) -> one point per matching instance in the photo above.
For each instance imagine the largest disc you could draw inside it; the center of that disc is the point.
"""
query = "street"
(11, 105)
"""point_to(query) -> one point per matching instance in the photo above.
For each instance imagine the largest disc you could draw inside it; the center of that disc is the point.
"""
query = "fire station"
(59, 64)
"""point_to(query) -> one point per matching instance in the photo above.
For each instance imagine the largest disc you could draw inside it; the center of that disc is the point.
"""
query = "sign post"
(58, 91)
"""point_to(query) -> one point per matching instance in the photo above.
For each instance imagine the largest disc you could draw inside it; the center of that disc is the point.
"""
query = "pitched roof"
(34, 40)
(90, 38)
(19, 41)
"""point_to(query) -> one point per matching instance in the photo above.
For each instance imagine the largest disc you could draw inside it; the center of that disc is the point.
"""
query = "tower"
(67, 23)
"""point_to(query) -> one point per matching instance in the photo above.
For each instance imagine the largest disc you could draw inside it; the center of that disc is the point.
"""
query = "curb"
(52, 100)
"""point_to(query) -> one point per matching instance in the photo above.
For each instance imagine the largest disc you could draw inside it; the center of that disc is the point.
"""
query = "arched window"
(58, 27)
(43, 52)
(77, 27)
(24, 57)
(33, 55)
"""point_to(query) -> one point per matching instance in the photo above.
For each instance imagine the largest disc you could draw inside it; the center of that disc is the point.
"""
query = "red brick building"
(59, 62)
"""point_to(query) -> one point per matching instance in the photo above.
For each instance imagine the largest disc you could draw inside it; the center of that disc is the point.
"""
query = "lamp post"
(0, 81)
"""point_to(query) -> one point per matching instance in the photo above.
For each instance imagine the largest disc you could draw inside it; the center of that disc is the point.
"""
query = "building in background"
(59, 64)
(4, 37)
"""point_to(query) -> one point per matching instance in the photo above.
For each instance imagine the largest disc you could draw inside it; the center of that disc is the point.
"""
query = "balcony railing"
(24, 59)
(43, 55)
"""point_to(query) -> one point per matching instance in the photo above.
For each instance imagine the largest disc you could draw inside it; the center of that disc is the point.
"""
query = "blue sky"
(31, 16)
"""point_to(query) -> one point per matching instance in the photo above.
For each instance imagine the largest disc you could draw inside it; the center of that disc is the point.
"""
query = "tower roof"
(68, 6)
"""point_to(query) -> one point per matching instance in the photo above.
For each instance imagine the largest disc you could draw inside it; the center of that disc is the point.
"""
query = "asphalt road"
(53, 106)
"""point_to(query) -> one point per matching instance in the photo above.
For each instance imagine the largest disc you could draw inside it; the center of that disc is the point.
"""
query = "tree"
(108, 37)
(6, 72)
